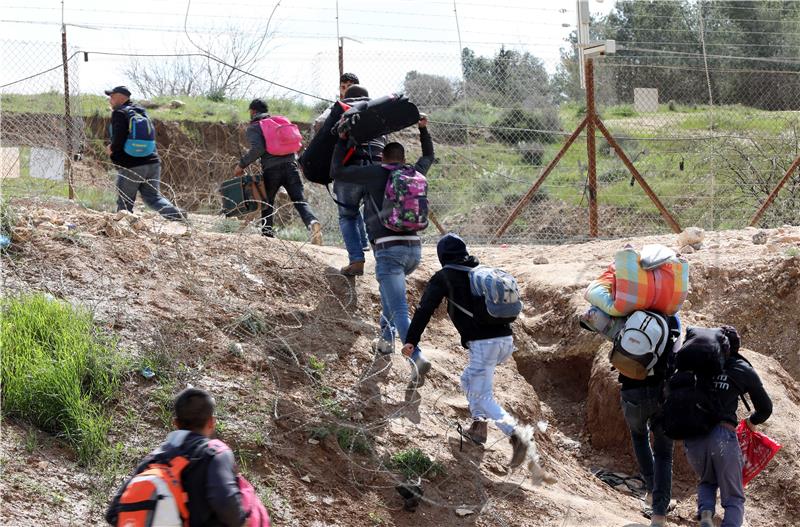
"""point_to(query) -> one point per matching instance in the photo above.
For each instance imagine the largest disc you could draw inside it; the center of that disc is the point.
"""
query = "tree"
(427, 90)
(508, 77)
(662, 47)
(220, 69)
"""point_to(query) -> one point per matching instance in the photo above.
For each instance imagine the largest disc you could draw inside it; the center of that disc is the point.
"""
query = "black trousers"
(285, 175)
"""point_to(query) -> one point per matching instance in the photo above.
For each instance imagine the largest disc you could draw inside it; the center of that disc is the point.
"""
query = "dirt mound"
(316, 419)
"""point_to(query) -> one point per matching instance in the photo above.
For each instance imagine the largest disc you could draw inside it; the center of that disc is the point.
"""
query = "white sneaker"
(648, 499)
(381, 346)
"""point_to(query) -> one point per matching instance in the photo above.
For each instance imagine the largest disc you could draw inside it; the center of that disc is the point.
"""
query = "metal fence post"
(67, 116)
(591, 118)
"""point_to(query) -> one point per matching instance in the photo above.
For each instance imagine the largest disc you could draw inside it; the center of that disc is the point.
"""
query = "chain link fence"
(711, 140)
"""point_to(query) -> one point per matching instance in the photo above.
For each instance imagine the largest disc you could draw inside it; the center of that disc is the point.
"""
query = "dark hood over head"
(451, 249)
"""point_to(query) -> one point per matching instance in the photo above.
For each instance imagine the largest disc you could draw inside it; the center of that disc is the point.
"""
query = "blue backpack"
(141, 140)
(495, 294)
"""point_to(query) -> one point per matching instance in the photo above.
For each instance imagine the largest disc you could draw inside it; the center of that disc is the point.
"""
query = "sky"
(384, 39)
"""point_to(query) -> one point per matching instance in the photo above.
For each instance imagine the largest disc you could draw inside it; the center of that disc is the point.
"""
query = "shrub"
(623, 110)
(57, 372)
(353, 440)
(427, 90)
(519, 125)
(414, 463)
(532, 153)
(7, 218)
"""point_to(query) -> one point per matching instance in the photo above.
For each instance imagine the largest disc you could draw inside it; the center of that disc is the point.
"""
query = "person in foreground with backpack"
(642, 398)
(206, 476)
(702, 399)
(392, 225)
(488, 340)
(278, 170)
(133, 152)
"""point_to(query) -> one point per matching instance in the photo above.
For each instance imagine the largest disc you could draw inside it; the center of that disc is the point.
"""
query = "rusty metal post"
(435, 221)
(341, 57)
(67, 117)
(774, 192)
(638, 177)
(591, 117)
(529, 195)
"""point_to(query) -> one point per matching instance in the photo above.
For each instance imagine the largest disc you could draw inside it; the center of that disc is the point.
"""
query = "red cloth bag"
(257, 513)
(757, 450)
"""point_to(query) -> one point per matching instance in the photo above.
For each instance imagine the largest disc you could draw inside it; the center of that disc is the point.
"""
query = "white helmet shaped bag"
(640, 344)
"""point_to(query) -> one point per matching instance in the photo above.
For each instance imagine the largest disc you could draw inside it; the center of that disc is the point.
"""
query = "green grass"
(316, 365)
(353, 440)
(91, 197)
(8, 218)
(740, 119)
(327, 399)
(199, 109)
(414, 463)
(58, 372)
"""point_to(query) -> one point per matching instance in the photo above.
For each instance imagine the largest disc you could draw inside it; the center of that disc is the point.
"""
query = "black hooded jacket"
(739, 378)
(453, 285)
(209, 481)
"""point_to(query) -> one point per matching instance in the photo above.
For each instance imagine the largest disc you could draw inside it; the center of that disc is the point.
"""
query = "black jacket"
(209, 481)
(665, 365)
(453, 285)
(740, 378)
(374, 179)
(258, 147)
(120, 121)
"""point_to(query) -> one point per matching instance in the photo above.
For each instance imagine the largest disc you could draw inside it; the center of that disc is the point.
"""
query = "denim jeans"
(145, 179)
(477, 381)
(285, 175)
(351, 221)
(717, 460)
(392, 265)
(640, 406)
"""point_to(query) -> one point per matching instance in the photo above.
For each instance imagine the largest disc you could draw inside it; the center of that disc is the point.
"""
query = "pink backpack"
(257, 513)
(282, 136)
(405, 200)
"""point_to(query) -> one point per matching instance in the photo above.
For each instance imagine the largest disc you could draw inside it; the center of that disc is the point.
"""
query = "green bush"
(413, 463)
(57, 372)
(353, 440)
(520, 125)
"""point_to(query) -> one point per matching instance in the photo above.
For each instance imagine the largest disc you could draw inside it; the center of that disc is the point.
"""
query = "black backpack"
(691, 408)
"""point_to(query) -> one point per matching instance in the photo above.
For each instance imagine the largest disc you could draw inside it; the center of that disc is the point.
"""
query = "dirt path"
(185, 295)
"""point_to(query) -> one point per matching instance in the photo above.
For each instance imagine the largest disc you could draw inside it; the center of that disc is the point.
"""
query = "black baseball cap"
(119, 89)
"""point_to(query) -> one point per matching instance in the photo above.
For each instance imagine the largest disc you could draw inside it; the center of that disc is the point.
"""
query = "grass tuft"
(58, 373)
(414, 463)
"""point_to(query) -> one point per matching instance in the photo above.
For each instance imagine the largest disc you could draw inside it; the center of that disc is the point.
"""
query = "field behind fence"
(712, 138)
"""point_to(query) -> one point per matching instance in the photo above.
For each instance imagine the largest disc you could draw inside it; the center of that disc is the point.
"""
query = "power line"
(163, 29)
(370, 24)
(708, 44)
(700, 55)
(698, 69)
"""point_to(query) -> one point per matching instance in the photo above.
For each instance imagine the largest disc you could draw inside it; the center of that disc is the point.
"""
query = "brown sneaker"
(477, 431)
(520, 449)
(354, 269)
(316, 233)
